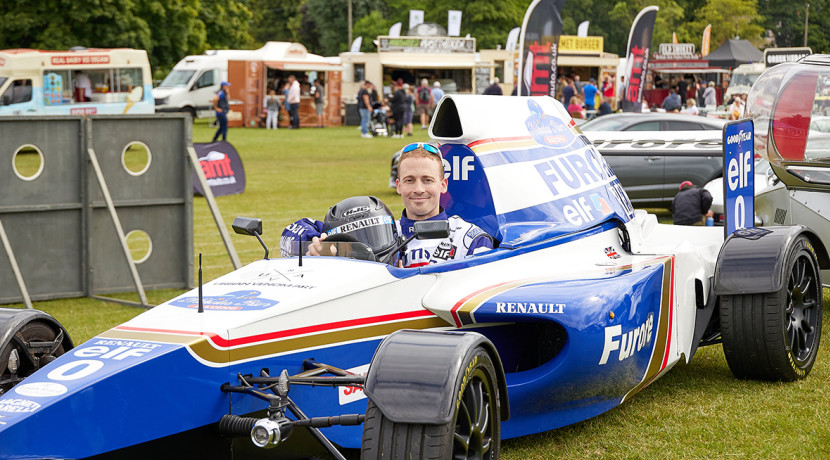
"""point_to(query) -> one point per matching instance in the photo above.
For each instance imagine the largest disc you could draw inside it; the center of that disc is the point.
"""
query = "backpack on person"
(423, 95)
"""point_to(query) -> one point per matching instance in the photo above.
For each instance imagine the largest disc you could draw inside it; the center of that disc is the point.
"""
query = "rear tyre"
(31, 358)
(775, 336)
(472, 433)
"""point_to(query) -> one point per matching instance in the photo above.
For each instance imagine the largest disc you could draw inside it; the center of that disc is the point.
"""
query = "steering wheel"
(355, 249)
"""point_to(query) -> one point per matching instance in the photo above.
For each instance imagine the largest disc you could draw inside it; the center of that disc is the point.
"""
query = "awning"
(424, 64)
(303, 66)
(587, 61)
(689, 70)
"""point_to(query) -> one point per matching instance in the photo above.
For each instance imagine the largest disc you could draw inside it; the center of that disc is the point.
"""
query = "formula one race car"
(583, 303)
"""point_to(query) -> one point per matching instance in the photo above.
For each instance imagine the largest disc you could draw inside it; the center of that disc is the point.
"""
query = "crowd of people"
(396, 112)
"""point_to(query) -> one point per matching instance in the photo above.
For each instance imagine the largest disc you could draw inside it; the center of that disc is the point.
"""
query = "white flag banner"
(512, 39)
(454, 23)
(356, 44)
(415, 17)
(395, 30)
(582, 30)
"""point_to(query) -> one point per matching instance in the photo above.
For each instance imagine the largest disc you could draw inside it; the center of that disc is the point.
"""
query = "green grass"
(697, 410)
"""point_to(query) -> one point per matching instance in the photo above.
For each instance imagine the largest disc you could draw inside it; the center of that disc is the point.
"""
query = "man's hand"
(316, 247)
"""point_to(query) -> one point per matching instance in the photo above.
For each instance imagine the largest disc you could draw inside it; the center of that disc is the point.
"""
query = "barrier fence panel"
(143, 161)
(42, 195)
(54, 213)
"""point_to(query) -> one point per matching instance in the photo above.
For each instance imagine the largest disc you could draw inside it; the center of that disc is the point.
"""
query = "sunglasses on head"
(428, 147)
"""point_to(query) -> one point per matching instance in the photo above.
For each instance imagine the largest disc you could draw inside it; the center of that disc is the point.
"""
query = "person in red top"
(607, 86)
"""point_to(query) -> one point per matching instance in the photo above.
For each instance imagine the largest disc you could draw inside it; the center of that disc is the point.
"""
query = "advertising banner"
(775, 56)
(738, 176)
(707, 38)
(636, 59)
(454, 23)
(222, 167)
(539, 48)
(416, 17)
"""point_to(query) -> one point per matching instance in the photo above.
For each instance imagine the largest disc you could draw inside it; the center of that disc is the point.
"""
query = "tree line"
(170, 30)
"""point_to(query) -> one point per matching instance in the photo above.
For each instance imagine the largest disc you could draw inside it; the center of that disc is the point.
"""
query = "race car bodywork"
(583, 304)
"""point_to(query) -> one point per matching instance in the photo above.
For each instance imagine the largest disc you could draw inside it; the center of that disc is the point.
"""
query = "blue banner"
(222, 167)
(738, 176)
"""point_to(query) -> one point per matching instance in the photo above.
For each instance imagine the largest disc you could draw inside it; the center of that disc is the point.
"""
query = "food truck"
(80, 81)
(252, 76)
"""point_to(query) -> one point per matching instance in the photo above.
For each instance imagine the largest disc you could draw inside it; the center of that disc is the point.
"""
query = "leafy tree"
(226, 24)
(786, 21)
(102, 24)
(175, 29)
(277, 20)
(730, 19)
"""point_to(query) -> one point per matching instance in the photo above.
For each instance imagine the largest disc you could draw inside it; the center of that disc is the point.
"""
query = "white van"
(80, 81)
(742, 79)
(191, 85)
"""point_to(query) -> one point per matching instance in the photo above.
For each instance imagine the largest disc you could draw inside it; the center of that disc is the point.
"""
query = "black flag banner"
(539, 46)
(636, 59)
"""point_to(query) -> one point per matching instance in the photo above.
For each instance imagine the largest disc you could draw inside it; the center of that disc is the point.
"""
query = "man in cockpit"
(420, 183)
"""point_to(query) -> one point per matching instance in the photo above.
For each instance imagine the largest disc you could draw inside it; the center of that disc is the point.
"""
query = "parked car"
(651, 165)
(652, 121)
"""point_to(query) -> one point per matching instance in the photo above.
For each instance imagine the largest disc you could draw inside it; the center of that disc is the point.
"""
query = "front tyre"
(473, 432)
(775, 336)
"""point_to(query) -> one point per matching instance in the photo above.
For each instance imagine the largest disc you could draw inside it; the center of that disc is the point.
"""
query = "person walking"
(293, 98)
(437, 92)
(690, 204)
(221, 107)
(710, 97)
(319, 93)
(364, 108)
(423, 102)
(408, 109)
(494, 89)
(272, 109)
(398, 105)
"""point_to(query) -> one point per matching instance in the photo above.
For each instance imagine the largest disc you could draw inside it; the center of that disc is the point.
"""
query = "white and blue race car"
(583, 303)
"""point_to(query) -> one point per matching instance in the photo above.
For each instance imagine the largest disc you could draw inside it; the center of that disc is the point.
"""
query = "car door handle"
(652, 159)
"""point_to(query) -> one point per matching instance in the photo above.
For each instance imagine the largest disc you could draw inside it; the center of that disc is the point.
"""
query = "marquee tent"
(734, 53)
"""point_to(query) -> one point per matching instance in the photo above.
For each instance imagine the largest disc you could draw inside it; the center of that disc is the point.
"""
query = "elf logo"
(626, 343)
(460, 167)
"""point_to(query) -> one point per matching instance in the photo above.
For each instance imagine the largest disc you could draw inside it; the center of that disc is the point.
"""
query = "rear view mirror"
(250, 226)
(247, 226)
(431, 229)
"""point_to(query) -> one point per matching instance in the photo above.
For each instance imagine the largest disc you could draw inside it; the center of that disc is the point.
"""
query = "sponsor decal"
(530, 307)
(217, 168)
(222, 168)
(346, 394)
(460, 167)
(363, 223)
(232, 301)
(611, 253)
(18, 406)
(81, 59)
(548, 130)
(629, 342)
(752, 233)
(83, 111)
(356, 210)
(444, 251)
(40, 389)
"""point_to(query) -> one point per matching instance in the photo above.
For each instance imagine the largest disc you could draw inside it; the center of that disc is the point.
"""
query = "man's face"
(420, 184)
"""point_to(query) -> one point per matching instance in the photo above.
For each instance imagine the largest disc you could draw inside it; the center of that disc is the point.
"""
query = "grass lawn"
(697, 410)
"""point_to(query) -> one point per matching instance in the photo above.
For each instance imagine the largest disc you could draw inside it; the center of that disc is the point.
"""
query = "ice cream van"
(80, 81)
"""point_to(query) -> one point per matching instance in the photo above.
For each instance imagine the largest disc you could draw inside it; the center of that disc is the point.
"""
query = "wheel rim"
(474, 422)
(802, 309)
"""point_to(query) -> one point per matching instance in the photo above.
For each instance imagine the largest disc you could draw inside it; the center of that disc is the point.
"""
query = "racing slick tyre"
(22, 341)
(472, 433)
(775, 336)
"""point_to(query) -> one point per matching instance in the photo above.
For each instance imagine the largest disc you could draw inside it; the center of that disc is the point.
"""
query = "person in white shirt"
(294, 99)
(691, 107)
(83, 87)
